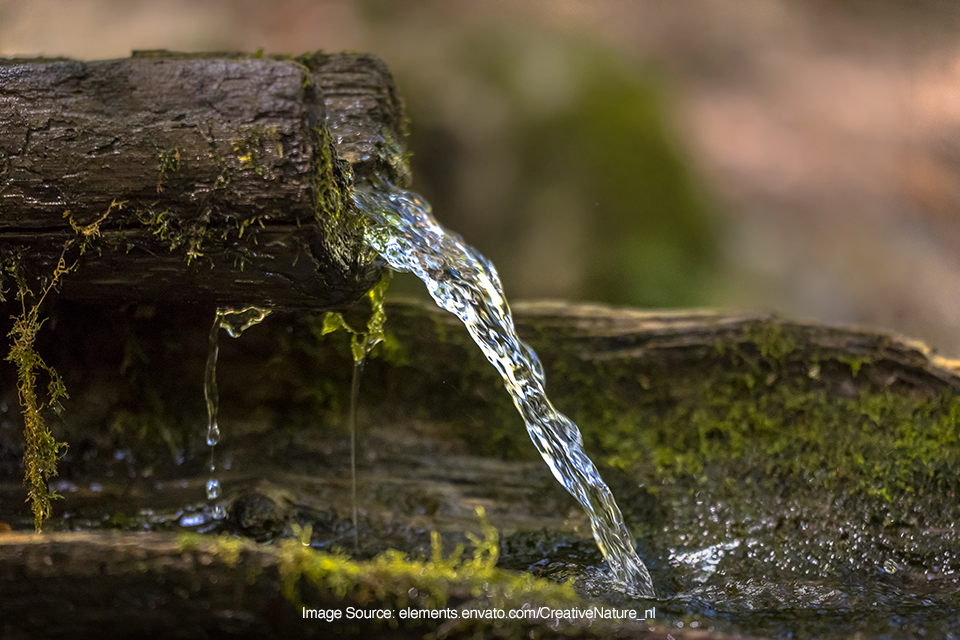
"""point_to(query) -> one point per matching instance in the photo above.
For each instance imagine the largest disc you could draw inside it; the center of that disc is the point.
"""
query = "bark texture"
(217, 178)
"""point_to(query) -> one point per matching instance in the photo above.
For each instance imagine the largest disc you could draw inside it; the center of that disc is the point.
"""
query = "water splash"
(466, 284)
(235, 322)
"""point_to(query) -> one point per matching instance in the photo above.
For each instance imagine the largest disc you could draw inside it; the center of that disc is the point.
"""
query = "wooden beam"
(220, 178)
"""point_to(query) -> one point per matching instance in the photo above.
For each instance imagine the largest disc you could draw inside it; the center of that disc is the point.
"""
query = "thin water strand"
(361, 344)
(354, 395)
(235, 321)
(212, 398)
(463, 282)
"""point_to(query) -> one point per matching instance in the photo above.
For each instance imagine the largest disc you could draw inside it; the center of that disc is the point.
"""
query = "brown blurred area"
(797, 156)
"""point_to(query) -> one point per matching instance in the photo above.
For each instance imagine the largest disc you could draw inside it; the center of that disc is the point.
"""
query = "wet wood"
(598, 333)
(428, 453)
(195, 178)
(116, 585)
(672, 340)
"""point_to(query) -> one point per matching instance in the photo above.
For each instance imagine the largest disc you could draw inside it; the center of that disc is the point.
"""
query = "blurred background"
(801, 157)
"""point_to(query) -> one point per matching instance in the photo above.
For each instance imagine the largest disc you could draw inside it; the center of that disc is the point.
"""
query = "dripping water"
(460, 280)
(354, 394)
(212, 398)
(361, 344)
(235, 322)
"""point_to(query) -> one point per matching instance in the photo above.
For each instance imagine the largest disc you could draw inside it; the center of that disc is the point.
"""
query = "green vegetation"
(331, 180)
(878, 443)
(177, 233)
(395, 580)
(363, 342)
(89, 232)
(258, 142)
(169, 163)
(433, 576)
(764, 405)
(760, 409)
(41, 450)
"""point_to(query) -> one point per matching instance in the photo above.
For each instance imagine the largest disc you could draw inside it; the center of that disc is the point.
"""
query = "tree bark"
(218, 178)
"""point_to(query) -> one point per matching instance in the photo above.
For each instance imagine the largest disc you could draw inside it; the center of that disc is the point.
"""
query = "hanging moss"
(41, 450)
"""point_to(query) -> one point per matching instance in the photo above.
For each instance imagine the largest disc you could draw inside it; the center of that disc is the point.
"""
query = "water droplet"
(213, 489)
(213, 435)
(192, 520)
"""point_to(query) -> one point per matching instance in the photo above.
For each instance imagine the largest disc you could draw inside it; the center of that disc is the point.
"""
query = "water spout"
(460, 280)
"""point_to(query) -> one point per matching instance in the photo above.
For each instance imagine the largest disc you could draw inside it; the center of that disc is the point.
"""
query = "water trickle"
(354, 395)
(235, 322)
(463, 282)
(361, 343)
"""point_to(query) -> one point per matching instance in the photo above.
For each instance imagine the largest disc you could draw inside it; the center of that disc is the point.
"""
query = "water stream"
(352, 419)
(235, 322)
(463, 282)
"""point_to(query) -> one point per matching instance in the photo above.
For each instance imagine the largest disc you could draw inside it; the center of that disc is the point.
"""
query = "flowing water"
(460, 280)
(235, 322)
(354, 398)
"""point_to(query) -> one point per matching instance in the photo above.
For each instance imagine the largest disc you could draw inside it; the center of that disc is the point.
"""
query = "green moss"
(41, 450)
(177, 233)
(771, 339)
(760, 404)
(331, 179)
(309, 62)
(169, 161)
(258, 141)
(737, 418)
(434, 576)
(225, 547)
(224, 179)
(855, 363)
(90, 231)
(393, 579)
